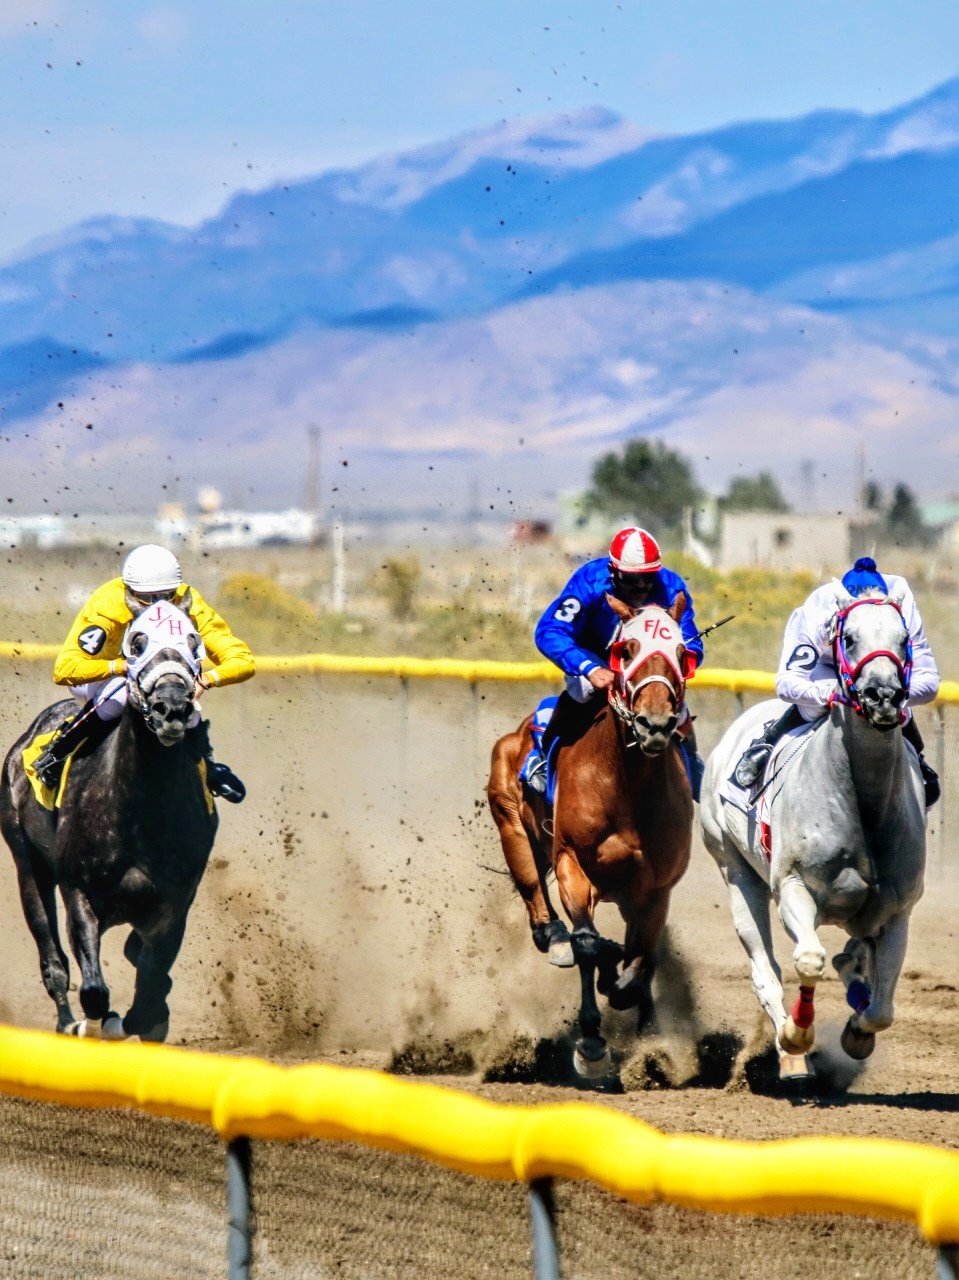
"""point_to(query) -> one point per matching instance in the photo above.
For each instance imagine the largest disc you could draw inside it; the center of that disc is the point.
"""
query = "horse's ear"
(843, 597)
(678, 607)
(186, 604)
(898, 594)
(622, 611)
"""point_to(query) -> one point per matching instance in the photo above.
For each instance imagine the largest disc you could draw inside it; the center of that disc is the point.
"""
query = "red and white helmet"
(634, 551)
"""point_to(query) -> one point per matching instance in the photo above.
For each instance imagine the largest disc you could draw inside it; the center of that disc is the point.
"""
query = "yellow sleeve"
(229, 658)
(92, 648)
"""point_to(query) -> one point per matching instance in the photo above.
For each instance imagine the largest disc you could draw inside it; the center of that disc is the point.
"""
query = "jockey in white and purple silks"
(807, 676)
(577, 629)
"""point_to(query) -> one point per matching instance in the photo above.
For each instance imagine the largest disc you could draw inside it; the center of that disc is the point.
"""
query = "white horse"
(846, 827)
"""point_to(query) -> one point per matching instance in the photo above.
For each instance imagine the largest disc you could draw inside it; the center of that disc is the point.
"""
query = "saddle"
(51, 798)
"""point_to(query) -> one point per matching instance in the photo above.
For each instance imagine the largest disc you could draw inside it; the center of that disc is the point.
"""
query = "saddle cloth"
(756, 801)
(534, 763)
(47, 797)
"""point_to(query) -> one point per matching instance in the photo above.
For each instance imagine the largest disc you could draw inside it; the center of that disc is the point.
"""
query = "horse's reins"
(848, 674)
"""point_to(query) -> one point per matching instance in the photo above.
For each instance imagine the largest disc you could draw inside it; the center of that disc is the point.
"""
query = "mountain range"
(491, 312)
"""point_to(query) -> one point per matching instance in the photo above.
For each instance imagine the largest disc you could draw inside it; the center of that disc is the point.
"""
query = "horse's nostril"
(160, 708)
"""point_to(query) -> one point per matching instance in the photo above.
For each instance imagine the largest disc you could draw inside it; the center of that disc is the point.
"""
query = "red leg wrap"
(803, 1011)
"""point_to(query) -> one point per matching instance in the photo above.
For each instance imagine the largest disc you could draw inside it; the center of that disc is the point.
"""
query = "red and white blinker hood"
(657, 634)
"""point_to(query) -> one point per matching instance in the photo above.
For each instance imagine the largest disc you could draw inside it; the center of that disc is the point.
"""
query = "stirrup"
(223, 782)
(49, 769)
(752, 762)
(536, 776)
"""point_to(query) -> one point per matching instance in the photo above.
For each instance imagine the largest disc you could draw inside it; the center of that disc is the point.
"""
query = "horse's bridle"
(622, 695)
(143, 683)
(848, 674)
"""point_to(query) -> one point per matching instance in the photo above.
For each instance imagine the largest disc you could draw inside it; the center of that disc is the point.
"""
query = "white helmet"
(151, 568)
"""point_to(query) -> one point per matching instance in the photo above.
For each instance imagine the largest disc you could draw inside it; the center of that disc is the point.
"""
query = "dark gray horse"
(130, 841)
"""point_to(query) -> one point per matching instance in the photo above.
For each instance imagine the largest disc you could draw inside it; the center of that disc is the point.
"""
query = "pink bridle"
(848, 674)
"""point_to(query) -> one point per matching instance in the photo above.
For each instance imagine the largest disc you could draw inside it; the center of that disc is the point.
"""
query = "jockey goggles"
(146, 598)
(632, 588)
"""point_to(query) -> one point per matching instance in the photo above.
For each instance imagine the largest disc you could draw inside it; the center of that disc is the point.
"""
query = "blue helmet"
(864, 576)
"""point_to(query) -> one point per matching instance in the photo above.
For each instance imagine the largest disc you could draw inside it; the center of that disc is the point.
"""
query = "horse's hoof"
(157, 1034)
(112, 1028)
(71, 1029)
(857, 1044)
(591, 1060)
(796, 1040)
(561, 954)
(795, 1068)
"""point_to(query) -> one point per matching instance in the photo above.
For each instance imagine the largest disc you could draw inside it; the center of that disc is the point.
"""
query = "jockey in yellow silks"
(91, 663)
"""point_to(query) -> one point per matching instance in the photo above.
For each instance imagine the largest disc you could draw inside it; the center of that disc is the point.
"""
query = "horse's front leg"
(645, 920)
(83, 930)
(149, 1014)
(799, 914)
(888, 953)
(591, 1056)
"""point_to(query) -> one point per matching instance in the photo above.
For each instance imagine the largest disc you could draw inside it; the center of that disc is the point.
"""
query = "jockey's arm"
(806, 676)
(557, 631)
(924, 683)
(91, 650)
(230, 659)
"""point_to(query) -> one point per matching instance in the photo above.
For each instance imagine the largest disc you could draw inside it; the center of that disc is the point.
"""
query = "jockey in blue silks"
(807, 676)
(577, 629)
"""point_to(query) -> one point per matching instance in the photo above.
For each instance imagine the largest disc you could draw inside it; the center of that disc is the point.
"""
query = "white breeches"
(110, 697)
(579, 688)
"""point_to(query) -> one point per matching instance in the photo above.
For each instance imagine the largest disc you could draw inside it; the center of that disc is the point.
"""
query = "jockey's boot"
(754, 759)
(220, 778)
(569, 721)
(85, 727)
(930, 779)
(696, 764)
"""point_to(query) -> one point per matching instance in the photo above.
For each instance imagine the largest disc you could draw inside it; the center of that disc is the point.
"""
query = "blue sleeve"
(559, 631)
(687, 623)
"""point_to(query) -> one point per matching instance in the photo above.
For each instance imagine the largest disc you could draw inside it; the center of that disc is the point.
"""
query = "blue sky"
(164, 109)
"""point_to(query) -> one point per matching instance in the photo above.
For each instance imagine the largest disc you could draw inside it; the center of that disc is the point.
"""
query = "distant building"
(44, 532)
(222, 530)
(943, 519)
(789, 542)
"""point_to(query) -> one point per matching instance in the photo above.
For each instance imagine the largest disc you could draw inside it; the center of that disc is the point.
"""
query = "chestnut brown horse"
(620, 828)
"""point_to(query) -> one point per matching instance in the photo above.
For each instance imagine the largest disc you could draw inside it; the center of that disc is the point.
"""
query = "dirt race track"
(353, 912)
